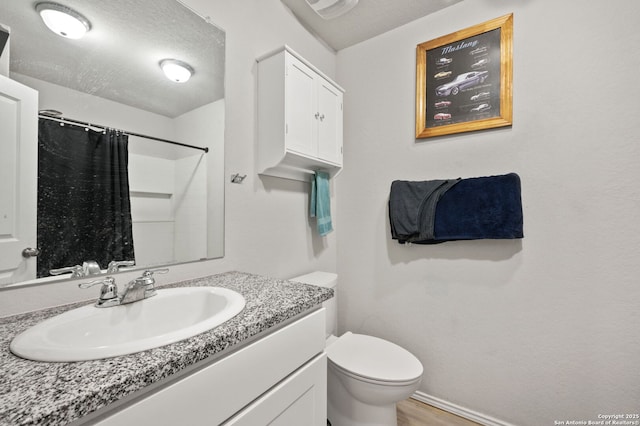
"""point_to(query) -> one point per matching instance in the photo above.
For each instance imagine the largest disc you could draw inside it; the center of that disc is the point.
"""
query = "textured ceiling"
(118, 59)
(368, 19)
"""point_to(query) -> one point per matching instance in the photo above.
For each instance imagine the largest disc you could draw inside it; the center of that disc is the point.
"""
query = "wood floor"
(415, 413)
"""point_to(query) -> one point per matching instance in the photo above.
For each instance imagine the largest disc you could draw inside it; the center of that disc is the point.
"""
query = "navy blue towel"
(474, 208)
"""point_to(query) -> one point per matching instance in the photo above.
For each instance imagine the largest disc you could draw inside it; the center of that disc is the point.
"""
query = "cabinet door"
(330, 122)
(300, 108)
(301, 399)
(18, 179)
(219, 391)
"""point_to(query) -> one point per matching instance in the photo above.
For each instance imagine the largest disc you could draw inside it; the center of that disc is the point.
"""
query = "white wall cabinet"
(300, 118)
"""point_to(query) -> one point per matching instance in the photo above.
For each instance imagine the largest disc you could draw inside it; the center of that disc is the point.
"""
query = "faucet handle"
(150, 272)
(76, 271)
(115, 265)
(108, 292)
(148, 281)
(92, 283)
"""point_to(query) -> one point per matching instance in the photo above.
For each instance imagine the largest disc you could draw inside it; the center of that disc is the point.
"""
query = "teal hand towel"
(321, 202)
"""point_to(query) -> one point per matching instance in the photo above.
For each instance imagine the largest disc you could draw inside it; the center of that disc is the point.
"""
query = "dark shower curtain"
(84, 209)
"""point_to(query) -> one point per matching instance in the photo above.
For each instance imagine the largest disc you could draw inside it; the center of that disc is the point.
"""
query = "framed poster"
(464, 80)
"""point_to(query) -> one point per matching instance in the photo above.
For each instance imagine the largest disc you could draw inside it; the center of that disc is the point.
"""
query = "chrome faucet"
(115, 265)
(141, 288)
(108, 292)
(76, 271)
(90, 267)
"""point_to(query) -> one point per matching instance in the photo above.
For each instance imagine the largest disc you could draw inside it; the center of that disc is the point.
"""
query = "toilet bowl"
(366, 375)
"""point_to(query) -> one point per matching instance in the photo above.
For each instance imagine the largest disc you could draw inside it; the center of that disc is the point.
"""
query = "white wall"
(204, 126)
(190, 208)
(267, 229)
(527, 331)
(152, 188)
(86, 107)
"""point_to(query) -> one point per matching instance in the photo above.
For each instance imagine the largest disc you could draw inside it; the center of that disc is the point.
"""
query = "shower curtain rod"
(60, 118)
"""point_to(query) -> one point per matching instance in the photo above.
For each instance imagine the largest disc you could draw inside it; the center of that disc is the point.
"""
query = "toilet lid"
(373, 358)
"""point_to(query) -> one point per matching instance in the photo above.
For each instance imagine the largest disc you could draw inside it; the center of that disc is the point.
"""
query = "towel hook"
(236, 178)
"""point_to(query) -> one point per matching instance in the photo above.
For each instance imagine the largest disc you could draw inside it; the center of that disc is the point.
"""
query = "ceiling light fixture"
(329, 9)
(175, 70)
(62, 20)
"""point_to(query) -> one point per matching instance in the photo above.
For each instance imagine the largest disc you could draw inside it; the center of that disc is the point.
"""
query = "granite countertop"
(41, 393)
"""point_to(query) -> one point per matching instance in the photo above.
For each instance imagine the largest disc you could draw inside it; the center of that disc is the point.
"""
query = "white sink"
(88, 332)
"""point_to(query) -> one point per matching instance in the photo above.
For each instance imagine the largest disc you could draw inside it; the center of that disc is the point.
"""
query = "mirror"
(111, 78)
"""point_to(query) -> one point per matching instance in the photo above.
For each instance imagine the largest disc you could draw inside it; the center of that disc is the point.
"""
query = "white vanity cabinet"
(300, 399)
(279, 379)
(300, 118)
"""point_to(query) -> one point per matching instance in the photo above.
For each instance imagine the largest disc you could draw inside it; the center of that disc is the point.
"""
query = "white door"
(18, 179)
(300, 108)
(330, 125)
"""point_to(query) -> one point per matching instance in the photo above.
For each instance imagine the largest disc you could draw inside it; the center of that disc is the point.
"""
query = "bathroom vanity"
(264, 366)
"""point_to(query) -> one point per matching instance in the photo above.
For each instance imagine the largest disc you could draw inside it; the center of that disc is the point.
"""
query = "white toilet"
(367, 376)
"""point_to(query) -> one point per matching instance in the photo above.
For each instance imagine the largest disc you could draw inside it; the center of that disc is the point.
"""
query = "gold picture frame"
(464, 80)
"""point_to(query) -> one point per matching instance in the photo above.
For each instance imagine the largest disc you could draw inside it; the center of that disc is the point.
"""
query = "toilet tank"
(328, 280)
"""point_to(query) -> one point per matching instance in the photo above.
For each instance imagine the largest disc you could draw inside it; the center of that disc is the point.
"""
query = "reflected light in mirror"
(63, 21)
(177, 71)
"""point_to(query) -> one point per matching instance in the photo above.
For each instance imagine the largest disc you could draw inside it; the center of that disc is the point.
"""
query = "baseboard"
(458, 410)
